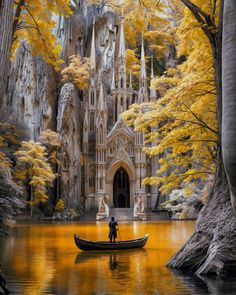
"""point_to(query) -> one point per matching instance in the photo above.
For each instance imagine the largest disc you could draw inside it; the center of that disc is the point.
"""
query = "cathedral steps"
(125, 214)
(122, 213)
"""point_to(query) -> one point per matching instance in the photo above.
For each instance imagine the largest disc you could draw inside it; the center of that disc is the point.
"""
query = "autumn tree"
(34, 172)
(151, 22)
(77, 72)
(35, 22)
(52, 142)
(211, 248)
(186, 138)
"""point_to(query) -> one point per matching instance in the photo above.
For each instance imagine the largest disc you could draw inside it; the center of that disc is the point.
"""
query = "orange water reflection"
(43, 259)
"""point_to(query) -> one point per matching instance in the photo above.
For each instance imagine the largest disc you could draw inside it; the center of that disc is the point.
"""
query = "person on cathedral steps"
(113, 230)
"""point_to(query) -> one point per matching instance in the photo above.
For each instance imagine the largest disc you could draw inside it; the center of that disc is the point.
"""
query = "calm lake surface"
(43, 259)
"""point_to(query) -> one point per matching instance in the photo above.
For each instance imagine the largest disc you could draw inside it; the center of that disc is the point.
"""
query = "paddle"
(119, 232)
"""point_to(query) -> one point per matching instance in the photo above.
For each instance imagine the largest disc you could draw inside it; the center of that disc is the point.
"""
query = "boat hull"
(102, 245)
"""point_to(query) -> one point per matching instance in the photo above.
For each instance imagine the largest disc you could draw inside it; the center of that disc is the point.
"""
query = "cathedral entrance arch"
(121, 189)
(117, 196)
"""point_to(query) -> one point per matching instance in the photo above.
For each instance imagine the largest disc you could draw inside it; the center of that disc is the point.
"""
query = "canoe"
(103, 245)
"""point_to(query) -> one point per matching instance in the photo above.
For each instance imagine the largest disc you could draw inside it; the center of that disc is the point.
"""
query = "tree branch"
(17, 16)
(207, 23)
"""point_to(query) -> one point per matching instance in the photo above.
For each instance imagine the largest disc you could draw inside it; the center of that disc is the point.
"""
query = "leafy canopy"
(34, 171)
(77, 72)
(52, 142)
(35, 23)
(184, 130)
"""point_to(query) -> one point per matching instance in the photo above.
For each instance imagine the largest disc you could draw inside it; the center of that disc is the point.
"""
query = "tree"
(34, 22)
(211, 248)
(151, 22)
(77, 72)
(186, 138)
(229, 105)
(34, 172)
(6, 15)
(52, 142)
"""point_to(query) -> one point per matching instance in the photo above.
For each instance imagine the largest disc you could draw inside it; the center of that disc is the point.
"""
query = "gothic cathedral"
(114, 162)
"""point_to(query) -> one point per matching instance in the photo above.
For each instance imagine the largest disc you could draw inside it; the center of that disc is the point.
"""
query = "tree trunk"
(212, 247)
(6, 17)
(229, 96)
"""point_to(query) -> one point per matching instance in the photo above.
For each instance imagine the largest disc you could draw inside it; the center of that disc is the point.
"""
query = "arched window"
(116, 109)
(121, 105)
(92, 98)
(92, 125)
(100, 135)
(91, 176)
(121, 83)
(127, 103)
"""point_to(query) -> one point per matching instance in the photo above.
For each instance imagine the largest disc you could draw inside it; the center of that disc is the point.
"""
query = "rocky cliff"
(38, 99)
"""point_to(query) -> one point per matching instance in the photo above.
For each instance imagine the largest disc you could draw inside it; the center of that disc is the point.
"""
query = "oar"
(119, 232)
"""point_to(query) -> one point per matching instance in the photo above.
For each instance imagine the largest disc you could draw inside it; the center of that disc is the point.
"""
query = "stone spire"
(101, 100)
(143, 74)
(122, 57)
(86, 119)
(143, 94)
(93, 50)
(153, 94)
(122, 52)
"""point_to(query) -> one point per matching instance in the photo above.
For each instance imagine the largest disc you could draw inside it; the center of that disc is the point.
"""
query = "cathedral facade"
(114, 162)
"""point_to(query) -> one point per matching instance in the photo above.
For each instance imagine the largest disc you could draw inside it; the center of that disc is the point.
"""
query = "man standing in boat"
(113, 230)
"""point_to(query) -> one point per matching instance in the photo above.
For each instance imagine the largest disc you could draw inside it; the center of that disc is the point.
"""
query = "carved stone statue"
(103, 208)
(142, 205)
(139, 207)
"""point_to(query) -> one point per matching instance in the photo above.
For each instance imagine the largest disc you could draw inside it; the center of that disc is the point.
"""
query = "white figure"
(142, 205)
(103, 207)
(136, 208)
(106, 201)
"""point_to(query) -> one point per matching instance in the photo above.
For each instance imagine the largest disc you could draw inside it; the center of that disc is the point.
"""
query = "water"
(43, 259)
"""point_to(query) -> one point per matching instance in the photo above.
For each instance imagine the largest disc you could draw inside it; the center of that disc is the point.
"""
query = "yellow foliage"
(132, 62)
(33, 170)
(143, 17)
(4, 161)
(51, 140)
(60, 205)
(185, 137)
(77, 72)
(35, 25)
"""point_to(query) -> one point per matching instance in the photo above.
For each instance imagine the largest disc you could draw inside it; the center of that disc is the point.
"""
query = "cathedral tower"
(140, 156)
(121, 95)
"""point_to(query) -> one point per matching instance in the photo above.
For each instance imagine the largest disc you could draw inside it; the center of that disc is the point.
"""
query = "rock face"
(10, 204)
(37, 98)
(68, 125)
(32, 92)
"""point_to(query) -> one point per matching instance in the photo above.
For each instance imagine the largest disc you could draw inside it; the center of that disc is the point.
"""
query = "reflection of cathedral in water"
(114, 161)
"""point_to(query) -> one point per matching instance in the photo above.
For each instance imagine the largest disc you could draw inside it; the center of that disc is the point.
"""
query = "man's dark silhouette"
(113, 230)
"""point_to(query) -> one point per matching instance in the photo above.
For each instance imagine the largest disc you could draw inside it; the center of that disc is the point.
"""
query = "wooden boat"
(103, 245)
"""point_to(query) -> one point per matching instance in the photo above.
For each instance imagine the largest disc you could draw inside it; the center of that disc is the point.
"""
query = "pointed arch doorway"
(121, 189)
